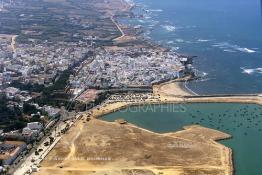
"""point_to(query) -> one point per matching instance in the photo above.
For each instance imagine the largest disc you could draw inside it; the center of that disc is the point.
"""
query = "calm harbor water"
(226, 35)
(242, 121)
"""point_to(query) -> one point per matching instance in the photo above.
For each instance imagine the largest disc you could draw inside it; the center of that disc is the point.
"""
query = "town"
(39, 63)
(76, 55)
(130, 68)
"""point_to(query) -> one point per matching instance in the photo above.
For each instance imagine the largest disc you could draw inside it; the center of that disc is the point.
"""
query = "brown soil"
(127, 149)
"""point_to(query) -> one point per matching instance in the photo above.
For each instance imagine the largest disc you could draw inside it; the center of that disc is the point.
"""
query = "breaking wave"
(203, 40)
(155, 10)
(169, 28)
(170, 42)
(175, 48)
(141, 21)
(252, 71)
(246, 50)
(179, 40)
(227, 47)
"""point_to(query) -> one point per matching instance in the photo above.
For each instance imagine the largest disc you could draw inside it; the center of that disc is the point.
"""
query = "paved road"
(25, 167)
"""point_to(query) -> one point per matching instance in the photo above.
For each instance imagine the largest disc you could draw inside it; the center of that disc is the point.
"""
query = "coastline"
(171, 92)
(94, 135)
(182, 95)
(181, 82)
(184, 85)
(110, 106)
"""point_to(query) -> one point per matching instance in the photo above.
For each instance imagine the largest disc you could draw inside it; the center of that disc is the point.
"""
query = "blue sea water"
(226, 35)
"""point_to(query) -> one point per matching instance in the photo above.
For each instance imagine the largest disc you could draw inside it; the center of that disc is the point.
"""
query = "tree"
(29, 109)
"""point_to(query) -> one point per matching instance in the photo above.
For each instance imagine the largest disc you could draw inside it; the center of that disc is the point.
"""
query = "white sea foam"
(203, 40)
(169, 28)
(131, 2)
(203, 79)
(147, 34)
(147, 17)
(252, 71)
(141, 21)
(155, 10)
(227, 47)
(229, 50)
(175, 48)
(204, 74)
(190, 27)
(147, 37)
(246, 50)
(179, 40)
(190, 42)
(170, 42)
(153, 22)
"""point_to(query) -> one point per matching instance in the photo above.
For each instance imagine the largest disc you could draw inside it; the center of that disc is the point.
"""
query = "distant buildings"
(129, 67)
(38, 63)
(9, 151)
(11, 92)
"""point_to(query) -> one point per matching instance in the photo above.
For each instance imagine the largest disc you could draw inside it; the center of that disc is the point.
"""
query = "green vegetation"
(12, 117)
(59, 84)
(55, 94)
(9, 116)
(27, 87)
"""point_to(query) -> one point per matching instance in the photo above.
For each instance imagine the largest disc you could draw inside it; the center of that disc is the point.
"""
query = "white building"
(11, 92)
(35, 126)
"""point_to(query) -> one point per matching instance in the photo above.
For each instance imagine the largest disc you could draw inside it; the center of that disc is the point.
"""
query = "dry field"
(129, 150)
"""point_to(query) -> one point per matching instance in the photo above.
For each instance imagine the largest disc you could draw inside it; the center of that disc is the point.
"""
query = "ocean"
(226, 36)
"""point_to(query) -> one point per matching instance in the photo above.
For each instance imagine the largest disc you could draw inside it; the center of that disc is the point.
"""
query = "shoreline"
(176, 87)
(166, 98)
(184, 85)
(112, 106)
(98, 129)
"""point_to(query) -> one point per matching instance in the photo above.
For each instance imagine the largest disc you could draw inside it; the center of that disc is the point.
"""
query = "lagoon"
(242, 121)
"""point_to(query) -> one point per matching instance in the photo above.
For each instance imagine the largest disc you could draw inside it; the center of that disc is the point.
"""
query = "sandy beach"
(160, 96)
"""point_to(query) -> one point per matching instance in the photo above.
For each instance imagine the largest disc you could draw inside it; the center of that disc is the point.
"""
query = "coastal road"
(25, 167)
(28, 163)
(119, 28)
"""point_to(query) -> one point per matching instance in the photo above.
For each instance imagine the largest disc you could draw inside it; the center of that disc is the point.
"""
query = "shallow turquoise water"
(226, 35)
(242, 121)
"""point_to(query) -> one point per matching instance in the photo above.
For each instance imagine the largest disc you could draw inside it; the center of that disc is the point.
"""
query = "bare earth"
(127, 149)
(130, 150)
